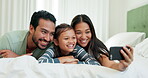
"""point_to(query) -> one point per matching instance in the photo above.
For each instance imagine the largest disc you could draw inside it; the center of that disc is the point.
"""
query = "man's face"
(43, 34)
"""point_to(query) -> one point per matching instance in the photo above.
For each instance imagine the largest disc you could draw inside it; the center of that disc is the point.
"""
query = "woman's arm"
(123, 64)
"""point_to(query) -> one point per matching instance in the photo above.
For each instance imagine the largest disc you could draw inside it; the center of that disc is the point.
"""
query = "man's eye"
(44, 32)
(52, 34)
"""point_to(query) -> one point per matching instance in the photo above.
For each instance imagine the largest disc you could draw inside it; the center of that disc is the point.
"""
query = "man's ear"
(31, 29)
(56, 42)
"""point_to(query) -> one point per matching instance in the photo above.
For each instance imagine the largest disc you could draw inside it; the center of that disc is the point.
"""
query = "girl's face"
(66, 41)
(83, 34)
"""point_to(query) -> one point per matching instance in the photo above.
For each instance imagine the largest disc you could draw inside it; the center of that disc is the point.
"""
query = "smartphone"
(115, 53)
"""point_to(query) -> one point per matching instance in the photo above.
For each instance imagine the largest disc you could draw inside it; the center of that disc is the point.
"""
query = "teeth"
(83, 41)
(44, 42)
(70, 45)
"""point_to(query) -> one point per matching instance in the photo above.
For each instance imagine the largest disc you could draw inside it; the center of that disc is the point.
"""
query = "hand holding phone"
(115, 53)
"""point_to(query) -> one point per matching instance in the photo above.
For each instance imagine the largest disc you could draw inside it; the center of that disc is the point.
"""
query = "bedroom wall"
(118, 14)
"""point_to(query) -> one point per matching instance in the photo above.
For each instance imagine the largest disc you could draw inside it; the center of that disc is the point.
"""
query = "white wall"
(117, 16)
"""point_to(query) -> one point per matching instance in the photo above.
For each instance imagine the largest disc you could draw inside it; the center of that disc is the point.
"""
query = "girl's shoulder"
(51, 48)
(77, 47)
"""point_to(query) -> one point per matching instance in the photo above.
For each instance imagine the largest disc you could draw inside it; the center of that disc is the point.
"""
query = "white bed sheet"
(28, 67)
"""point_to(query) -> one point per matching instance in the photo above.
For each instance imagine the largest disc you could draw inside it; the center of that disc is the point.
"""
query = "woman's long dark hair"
(95, 46)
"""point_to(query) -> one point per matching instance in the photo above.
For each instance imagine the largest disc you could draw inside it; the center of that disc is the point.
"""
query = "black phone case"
(115, 53)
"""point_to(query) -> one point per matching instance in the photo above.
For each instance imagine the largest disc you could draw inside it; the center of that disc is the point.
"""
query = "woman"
(87, 39)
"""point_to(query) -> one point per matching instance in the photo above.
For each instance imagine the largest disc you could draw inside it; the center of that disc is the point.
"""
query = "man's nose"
(48, 38)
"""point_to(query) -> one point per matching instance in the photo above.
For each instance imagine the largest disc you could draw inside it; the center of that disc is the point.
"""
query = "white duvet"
(28, 67)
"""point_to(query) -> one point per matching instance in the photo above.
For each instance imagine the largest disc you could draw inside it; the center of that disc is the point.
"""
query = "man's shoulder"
(15, 35)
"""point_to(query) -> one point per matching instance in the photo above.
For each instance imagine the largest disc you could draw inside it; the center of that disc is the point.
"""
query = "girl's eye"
(73, 37)
(65, 38)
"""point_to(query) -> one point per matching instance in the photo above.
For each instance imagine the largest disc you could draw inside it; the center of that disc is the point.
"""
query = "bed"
(28, 66)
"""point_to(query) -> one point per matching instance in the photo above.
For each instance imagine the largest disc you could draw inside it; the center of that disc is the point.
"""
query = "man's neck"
(30, 44)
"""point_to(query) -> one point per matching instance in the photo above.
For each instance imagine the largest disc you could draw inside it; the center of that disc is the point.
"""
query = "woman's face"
(83, 34)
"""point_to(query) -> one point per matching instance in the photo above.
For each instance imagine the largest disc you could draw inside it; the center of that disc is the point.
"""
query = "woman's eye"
(87, 32)
(78, 32)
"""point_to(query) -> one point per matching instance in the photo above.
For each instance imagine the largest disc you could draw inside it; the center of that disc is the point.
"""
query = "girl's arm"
(83, 56)
(48, 57)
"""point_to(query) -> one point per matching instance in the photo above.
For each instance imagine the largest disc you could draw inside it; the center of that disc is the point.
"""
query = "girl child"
(86, 38)
(65, 49)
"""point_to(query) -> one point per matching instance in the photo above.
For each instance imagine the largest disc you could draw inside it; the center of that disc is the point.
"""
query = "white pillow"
(125, 38)
(142, 48)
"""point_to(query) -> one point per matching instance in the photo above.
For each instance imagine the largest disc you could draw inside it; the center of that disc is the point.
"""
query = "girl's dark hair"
(95, 46)
(41, 14)
(58, 30)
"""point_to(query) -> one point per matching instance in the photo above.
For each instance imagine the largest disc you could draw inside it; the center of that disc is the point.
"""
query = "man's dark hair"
(41, 14)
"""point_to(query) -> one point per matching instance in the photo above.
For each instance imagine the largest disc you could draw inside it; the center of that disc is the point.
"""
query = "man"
(32, 42)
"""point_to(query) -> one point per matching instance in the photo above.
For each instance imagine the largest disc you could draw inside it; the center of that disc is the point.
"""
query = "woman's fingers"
(129, 52)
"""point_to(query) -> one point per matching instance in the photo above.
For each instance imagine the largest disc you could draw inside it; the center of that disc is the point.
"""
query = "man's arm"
(8, 54)
(5, 48)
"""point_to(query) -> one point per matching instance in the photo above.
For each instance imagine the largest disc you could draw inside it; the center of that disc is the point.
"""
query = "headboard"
(137, 20)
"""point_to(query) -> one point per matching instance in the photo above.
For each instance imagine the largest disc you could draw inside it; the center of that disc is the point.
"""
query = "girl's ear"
(56, 42)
